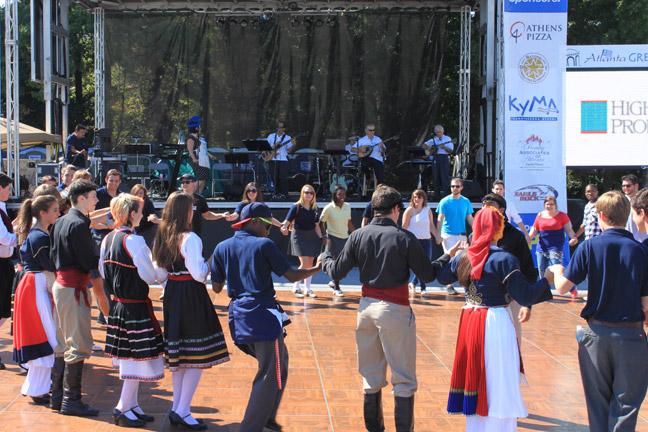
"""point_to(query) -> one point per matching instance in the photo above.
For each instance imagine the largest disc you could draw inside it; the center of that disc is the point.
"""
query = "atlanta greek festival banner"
(535, 39)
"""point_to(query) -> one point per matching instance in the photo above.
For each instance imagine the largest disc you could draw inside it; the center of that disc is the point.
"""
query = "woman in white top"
(193, 337)
(419, 220)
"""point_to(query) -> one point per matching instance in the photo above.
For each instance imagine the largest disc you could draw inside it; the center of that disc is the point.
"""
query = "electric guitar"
(366, 150)
(431, 149)
(268, 155)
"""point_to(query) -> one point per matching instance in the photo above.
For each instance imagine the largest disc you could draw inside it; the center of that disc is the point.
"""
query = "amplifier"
(44, 169)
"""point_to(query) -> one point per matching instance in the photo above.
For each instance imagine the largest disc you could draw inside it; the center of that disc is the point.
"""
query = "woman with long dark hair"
(193, 337)
(485, 382)
(305, 235)
(34, 325)
(133, 335)
(150, 219)
(251, 193)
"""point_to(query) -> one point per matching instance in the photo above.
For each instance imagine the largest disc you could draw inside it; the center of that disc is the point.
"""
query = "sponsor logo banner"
(534, 59)
(605, 56)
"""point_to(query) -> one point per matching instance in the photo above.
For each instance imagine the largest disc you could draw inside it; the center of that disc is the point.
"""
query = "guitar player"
(442, 148)
(375, 158)
(283, 143)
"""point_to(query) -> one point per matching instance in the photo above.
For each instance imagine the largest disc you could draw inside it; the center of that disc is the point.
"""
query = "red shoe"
(573, 294)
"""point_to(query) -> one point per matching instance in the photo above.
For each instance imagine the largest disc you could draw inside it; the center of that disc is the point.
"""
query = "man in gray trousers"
(247, 261)
(612, 350)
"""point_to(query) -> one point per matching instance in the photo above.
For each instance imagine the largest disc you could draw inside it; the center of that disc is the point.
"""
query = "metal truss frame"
(12, 95)
(99, 68)
(462, 161)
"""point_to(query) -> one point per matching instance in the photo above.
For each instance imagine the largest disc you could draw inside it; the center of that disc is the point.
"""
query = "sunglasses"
(371, 130)
(187, 181)
(252, 190)
(309, 193)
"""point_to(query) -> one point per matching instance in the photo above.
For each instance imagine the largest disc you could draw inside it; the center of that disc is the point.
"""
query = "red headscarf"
(487, 226)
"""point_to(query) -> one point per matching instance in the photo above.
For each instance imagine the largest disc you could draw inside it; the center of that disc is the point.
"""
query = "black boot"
(373, 413)
(404, 414)
(56, 389)
(72, 404)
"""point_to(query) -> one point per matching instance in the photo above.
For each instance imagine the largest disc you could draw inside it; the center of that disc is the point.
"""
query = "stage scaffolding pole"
(99, 69)
(462, 162)
(12, 82)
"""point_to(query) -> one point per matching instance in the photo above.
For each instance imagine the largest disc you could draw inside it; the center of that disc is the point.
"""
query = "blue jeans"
(546, 259)
(426, 244)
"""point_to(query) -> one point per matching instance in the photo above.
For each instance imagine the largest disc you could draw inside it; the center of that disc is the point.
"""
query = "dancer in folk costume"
(485, 383)
(133, 336)
(8, 241)
(193, 337)
(34, 323)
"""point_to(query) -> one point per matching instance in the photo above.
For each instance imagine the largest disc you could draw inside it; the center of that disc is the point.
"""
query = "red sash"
(398, 295)
(77, 279)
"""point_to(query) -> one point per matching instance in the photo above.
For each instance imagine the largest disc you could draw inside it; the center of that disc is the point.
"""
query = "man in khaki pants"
(386, 326)
(73, 253)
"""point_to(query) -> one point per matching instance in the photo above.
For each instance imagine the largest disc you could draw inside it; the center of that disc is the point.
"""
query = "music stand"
(257, 145)
(419, 153)
(416, 152)
(238, 159)
(137, 149)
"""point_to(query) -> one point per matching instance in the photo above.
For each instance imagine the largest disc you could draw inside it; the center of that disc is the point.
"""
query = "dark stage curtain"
(325, 76)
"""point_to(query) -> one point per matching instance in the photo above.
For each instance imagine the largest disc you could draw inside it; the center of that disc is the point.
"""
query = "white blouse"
(191, 249)
(141, 254)
(7, 240)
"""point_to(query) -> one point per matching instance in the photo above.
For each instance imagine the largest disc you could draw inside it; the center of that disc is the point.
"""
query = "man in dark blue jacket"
(247, 261)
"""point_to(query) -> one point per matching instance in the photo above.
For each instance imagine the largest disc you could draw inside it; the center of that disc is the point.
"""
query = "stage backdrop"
(326, 76)
(535, 38)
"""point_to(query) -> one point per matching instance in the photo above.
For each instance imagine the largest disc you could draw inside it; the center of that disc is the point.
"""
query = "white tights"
(128, 398)
(185, 383)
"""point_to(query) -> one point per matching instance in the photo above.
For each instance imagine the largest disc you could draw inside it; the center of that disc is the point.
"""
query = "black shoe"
(272, 426)
(178, 421)
(404, 413)
(123, 421)
(72, 404)
(41, 400)
(373, 413)
(144, 417)
(56, 389)
(2, 366)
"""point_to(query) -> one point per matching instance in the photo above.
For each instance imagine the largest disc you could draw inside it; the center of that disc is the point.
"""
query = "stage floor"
(324, 389)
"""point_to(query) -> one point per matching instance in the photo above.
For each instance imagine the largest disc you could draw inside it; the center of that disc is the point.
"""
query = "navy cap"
(254, 210)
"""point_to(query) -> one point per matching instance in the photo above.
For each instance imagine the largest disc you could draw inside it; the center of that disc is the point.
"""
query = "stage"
(324, 390)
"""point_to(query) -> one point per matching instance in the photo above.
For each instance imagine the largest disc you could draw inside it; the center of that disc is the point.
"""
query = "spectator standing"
(630, 187)
(590, 225)
(612, 349)
(455, 211)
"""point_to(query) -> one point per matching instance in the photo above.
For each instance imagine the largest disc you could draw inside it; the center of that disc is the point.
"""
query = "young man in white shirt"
(511, 212)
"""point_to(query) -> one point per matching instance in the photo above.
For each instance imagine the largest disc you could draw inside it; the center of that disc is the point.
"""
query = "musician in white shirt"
(279, 163)
(376, 156)
(442, 150)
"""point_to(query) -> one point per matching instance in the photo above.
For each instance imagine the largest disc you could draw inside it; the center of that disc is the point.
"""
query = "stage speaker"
(103, 140)
(107, 165)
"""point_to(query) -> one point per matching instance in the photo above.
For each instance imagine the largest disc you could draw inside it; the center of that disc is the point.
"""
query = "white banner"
(535, 38)
(607, 56)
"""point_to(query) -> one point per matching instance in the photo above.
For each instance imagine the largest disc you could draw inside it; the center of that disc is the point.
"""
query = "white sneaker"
(450, 290)
(338, 293)
(311, 293)
(298, 292)
(331, 285)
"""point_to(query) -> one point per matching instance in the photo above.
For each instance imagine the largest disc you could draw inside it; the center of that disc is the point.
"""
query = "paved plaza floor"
(324, 389)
